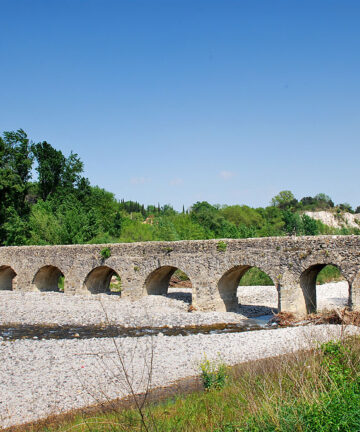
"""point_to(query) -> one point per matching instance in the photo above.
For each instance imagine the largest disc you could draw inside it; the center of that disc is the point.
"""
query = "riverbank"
(39, 378)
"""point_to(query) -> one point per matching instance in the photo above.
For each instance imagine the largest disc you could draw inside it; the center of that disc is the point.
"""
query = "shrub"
(105, 253)
(213, 374)
(221, 246)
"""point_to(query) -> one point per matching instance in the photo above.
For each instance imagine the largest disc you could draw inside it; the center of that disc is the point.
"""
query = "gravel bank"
(39, 378)
(43, 377)
(262, 300)
(61, 309)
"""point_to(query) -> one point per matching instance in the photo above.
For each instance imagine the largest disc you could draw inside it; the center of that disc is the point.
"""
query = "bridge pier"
(292, 297)
(205, 296)
(23, 282)
(354, 289)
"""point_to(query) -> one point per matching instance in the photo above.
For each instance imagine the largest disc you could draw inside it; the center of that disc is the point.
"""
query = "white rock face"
(336, 221)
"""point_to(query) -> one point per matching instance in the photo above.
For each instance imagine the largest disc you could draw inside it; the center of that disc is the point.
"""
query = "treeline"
(58, 205)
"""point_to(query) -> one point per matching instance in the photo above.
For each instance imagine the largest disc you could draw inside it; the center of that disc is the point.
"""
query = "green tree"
(15, 171)
(165, 230)
(50, 168)
(284, 200)
(293, 223)
(210, 218)
(136, 231)
(242, 215)
(188, 229)
(310, 226)
(274, 222)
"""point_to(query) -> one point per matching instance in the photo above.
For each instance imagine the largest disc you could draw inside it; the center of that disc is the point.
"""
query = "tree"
(310, 226)
(58, 174)
(73, 168)
(212, 220)
(293, 223)
(242, 215)
(187, 228)
(50, 167)
(324, 198)
(15, 171)
(284, 200)
(346, 207)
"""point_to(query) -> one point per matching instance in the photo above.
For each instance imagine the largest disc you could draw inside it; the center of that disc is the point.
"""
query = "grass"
(329, 273)
(115, 284)
(254, 277)
(61, 283)
(301, 392)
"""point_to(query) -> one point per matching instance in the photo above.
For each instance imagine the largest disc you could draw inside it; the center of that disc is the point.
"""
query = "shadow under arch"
(7, 275)
(308, 280)
(47, 278)
(98, 281)
(228, 288)
(170, 281)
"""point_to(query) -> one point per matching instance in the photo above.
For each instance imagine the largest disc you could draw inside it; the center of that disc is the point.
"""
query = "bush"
(221, 246)
(105, 253)
(214, 375)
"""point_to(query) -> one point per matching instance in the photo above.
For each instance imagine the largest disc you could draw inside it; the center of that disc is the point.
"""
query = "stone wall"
(214, 271)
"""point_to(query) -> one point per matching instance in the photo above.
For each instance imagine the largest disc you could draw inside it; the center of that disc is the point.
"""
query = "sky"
(178, 101)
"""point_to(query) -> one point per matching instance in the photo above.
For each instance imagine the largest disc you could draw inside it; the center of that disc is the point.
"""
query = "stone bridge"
(214, 267)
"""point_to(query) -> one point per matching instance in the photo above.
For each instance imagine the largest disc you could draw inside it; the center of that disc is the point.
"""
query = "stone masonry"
(213, 266)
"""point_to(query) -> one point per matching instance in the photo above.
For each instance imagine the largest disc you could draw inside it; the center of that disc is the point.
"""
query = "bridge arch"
(7, 274)
(228, 286)
(47, 278)
(161, 279)
(99, 279)
(308, 284)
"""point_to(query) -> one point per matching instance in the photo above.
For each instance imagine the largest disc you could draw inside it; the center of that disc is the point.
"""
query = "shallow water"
(16, 332)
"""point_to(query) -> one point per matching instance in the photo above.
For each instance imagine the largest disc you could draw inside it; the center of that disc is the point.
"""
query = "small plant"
(304, 254)
(213, 374)
(168, 249)
(221, 246)
(105, 253)
(136, 268)
(115, 284)
(61, 283)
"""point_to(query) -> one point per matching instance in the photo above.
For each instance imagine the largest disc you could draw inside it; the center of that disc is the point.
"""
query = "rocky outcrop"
(336, 220)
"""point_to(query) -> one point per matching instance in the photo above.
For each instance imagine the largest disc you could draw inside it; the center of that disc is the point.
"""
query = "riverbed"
(39, 378)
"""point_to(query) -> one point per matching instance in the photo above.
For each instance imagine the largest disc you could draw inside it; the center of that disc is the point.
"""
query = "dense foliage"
(45, 199)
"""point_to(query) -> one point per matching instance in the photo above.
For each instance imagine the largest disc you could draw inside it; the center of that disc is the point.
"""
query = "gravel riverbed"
(43, 377)
(157, 311)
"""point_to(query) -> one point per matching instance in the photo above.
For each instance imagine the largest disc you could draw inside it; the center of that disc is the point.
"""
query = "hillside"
(335, 219)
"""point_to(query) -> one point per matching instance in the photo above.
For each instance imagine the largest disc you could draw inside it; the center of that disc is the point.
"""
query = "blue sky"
(175, 101)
